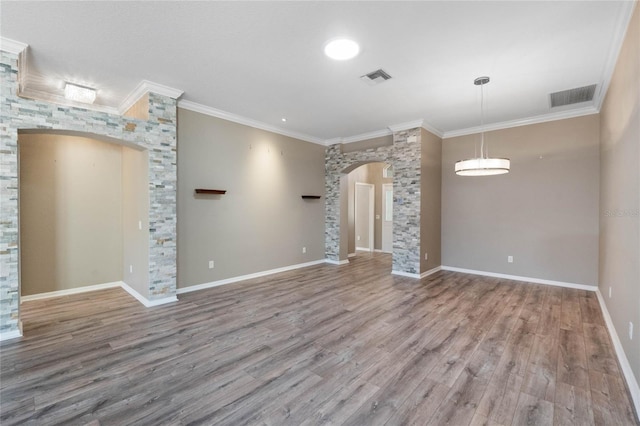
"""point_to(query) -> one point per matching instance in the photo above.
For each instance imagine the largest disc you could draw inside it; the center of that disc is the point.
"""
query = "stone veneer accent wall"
(157, 135)
(405, 157)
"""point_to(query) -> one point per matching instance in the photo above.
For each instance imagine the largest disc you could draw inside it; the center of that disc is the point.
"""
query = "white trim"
(144, 87)
(12, 46)
(360, 137)
(405, 274)
(39, 95)
(351, 255)
(430, 271)
(371, 211)
(203, 109)
(14, 334)
(367, 249)
(553, 116)
(248, 276)
(406, 126)
(336, 262)
(379, 251)
(614, 51)
(520, 278)
(433, 130)
(634, 389)
(146, 302)
(69, 291)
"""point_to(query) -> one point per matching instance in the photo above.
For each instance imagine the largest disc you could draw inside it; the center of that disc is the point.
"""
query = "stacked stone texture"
(157, 135)
(405, 157)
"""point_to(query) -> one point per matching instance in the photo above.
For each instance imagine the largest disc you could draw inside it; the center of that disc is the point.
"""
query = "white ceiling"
(261, 61)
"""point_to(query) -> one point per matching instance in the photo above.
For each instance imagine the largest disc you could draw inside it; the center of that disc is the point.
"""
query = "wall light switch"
(140, 225)
(131, 269)
(426, 256)
(211, 264)
(358, 238)
(609, 292)
(630, 330)
(304, 249)
(510, 259)
(377, 217)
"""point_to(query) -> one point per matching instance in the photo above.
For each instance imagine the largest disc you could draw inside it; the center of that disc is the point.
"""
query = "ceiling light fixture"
(341, 49)
(74, 92)
(483, 165)
(284, 120)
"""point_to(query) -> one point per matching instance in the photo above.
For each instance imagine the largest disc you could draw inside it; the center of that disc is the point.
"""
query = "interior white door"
(387, 217)
(364, 210)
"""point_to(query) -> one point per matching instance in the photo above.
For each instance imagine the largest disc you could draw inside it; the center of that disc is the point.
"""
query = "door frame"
(370, 215)
(383, 201)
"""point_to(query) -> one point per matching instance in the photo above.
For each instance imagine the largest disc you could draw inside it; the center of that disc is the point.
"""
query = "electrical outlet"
(131, 269)
(304, 249)
(609, 292)
(377, 217)
(426, 256)
(358, 238)
(510, 259)
(140, 225)
(211, 264)
(630, 330)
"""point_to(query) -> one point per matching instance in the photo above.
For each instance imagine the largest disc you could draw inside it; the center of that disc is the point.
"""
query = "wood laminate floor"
(321, 345)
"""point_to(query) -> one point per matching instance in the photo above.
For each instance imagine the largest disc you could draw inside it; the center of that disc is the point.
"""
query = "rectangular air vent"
(375, 77)
(573, 96)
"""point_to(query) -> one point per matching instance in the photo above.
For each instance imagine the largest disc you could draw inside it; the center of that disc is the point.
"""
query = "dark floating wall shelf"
(310, 197)
(210, 191)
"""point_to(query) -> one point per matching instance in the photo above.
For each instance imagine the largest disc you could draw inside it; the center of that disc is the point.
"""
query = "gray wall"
(70, 212)
(262, 222)
(430, 202)
(620, 195)
(544, 212)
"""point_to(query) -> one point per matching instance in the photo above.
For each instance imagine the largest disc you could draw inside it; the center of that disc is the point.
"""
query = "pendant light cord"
(482, 121)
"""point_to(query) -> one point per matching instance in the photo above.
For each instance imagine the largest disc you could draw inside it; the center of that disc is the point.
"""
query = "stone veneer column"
(405, 157)
(157, 135)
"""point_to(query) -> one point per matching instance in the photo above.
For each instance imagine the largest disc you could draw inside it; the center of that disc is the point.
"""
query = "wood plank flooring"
(328, 344)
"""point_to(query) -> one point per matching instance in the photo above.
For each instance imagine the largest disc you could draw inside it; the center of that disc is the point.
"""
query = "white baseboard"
(351, 255)
(378, 251)
(147, 302)
(250, 276)
(622, 357)
(69, 291)
(336, 262)
(405, 274)
(519, 278)
(430, 271)
(14, 334)
(363, 249)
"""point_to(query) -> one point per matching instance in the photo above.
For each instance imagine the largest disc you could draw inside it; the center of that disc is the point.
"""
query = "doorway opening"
(370, 208)
(84, 214)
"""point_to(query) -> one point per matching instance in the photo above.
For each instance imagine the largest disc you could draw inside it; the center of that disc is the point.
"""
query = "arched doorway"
(404, 155)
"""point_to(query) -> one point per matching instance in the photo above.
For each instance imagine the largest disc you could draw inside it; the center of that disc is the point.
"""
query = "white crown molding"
(561, 115)
(623, 361)
(203, 109)
(332, 141)
(12, 46)
(247, 277)
(431, 129)
(365, 136)
(614, 51)
(144, 87)
(520, 278)
(406, 126)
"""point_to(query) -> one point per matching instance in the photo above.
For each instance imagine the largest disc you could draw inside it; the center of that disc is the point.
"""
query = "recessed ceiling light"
(284, 120)
(73, 92)
(341, 49)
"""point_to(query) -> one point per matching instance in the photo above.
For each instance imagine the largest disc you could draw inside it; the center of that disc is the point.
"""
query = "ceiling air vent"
(375, 77)
(572, 96)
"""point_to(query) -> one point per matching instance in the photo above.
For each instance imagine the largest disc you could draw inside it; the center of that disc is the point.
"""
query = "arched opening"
(83, 213)
(370, 208)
